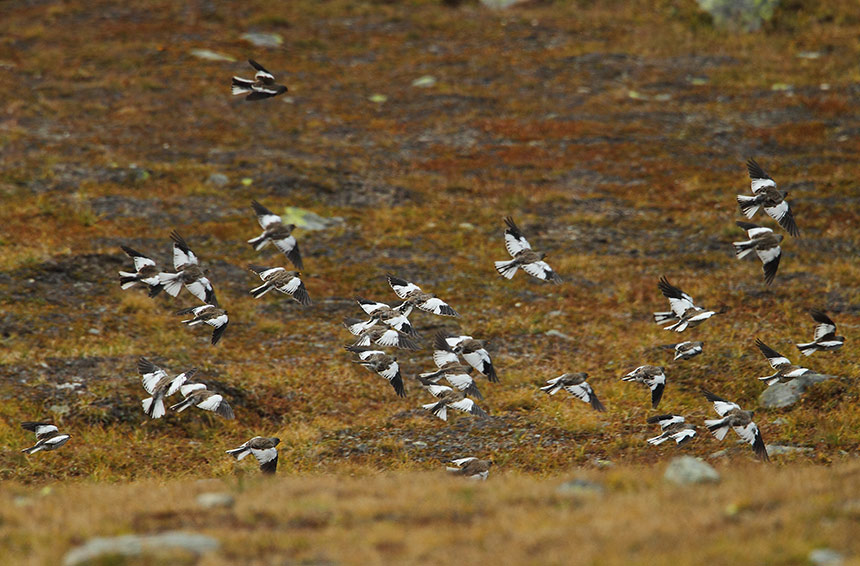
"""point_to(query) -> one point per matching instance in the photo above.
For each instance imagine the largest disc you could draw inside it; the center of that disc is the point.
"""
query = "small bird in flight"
(473, 351)
(685, 314)
(146, 272)
(378, 335)
(458, 375)
(785, 370)
(208, 314)
(686, 350)
(159, 384)
(741, 421)
(414, 296)
(198, 396)
(674, 428)
(382, 364)
(765, 244)
(653, 377)
(280, 279)
(767, 196)
(825, 338)
(48, 437)
(576, 385)
(471, 467)
(264, 450)
(450, 398)
(275, 231)
(263, 85)
(523, 256)
(188, 273)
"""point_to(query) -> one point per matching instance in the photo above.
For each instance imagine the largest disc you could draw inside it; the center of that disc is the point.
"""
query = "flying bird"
(280, 279)
(198, 396)
(378, 335)
(188, 273)
(264, 449)
(653, 377)
(767, 196)
(473, 351)
(785, 370)
(159, 384)
(275, 231)
(686, 350)
(208, 314)
(765, 244)
(414, 296)
(576, 385)
(674, 428)
(450, 398)
(825, 338)
(458, 375)
(471, 467)
(382, 364)
(145, 271)
(263, 85)
(523, 256)
(732, 416)
(48, 437)
(684, 314)
(395, 317)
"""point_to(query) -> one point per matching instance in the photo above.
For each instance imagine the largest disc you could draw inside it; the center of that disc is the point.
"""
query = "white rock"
(685, 470)
(135, 545)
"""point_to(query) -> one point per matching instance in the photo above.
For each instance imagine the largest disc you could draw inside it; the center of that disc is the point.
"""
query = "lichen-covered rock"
(685, 470)
(787, 394)
(101, 549)
(744, 15)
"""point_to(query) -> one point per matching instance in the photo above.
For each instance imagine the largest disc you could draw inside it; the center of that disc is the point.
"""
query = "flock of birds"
(388, 326)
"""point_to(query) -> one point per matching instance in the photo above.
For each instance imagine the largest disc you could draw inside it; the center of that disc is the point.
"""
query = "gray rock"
(742, 15)
(558, 334)
(787, 394)
(215, 500)
(263, 39)
(781, 449)
(826, 557)
(308, 220)
(685, 470)
(209, 55)
(718, 454)
(579, 487)
(218, 179)
(100, 549)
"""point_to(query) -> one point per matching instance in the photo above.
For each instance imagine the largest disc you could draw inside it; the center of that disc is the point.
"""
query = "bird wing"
(402, 287)
(150, 373)
(769, 261)
(782, 214)
(775, 359)
(182, 254)
(679, 301)
(825, 325)
(515, 242)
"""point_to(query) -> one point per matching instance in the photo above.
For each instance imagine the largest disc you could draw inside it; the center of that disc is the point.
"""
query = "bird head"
(276, 440)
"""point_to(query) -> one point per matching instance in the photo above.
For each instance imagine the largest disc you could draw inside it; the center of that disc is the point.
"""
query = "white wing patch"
(515, 245)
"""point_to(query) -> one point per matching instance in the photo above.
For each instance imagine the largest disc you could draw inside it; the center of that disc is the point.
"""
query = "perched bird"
(160, 385)
(378, 335)
(785, 370)
(766, 195)
(765, 244)
(471, 467)
(263, 85)
(732, 416)
(198, 396)
(825, 338)
(674, 428)
(208, 314)
(414, 296)
(523, 256)
(686, 350)
(48, 437)
(381, 363)
(395, 317)
(264, 450)
(653, 377)
(576, 385)
(275, 231)
(280, 279)
(448, 366)
(685, 314)
(188, 273)
(450, 398)
(473, 351)
(145, 271)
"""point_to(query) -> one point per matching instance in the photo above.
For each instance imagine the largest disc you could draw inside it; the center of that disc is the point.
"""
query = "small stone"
(209, 55)
(424, 82)
(263, 39)
(786, 394)
(603, 464)
(555, 313)
(215, 500)
(466, 225)
(247, 181)
(685, 470)
(743, 15)
(782, 449)
(94, 331)
(579, 487)
(419, 444)
(59, 409)
(377, 98)
(218, 179)
(826, 557)
(307, 220)
(101, 550)
(718, 454)
(558, 334)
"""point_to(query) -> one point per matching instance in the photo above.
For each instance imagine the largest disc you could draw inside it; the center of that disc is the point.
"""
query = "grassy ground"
(614, 132)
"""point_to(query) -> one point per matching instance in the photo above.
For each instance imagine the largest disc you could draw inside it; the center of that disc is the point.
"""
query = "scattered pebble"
(215, 500)
(424, 82)
(826, 557)
(263, 39)
(209, 55)
(218, 179)
(377, 98)
(558, 334)
(308, 220)
(781, 449)
(579, 487)
(685, 470)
